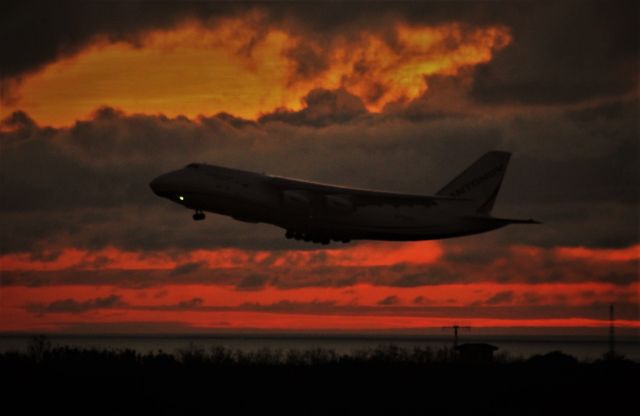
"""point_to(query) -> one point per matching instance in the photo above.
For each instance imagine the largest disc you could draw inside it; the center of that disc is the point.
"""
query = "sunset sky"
(98, 98)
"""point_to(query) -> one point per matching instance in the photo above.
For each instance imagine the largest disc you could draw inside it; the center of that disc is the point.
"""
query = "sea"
(585, 348)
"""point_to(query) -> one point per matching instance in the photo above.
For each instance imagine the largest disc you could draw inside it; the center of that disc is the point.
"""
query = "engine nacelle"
(339, 203)
(296, 199)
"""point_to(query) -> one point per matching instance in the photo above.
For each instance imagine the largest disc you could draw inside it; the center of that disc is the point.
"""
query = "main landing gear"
(314, 238)
(199, 215)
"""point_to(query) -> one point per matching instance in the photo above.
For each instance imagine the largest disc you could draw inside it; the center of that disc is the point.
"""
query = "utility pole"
(455, 332)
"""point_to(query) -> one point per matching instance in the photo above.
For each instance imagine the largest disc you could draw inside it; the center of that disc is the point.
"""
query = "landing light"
(181, 198)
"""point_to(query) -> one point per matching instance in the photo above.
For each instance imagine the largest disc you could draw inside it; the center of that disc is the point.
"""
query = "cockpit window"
(192, 166)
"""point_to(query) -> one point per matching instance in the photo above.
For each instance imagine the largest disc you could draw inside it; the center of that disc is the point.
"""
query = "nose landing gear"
(199, 215)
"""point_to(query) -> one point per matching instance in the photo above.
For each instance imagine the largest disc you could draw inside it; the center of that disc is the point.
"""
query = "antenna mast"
(455, 332)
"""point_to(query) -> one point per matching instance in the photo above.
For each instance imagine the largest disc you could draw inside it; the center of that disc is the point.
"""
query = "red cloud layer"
(358, 255)
(360, 306)
(361, 255)
(493, 298)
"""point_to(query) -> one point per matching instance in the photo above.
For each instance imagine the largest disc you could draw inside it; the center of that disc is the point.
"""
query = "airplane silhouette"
(322, 213)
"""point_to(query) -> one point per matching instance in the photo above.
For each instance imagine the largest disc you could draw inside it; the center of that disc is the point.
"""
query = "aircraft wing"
(359, 197)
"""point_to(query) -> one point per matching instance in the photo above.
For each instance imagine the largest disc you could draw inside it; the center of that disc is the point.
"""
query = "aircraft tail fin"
(480, 182)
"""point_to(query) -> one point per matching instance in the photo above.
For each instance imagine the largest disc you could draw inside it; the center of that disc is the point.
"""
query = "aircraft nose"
(159, 185)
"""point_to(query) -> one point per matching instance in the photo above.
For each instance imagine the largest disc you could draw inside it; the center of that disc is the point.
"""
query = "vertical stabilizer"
(480, 182)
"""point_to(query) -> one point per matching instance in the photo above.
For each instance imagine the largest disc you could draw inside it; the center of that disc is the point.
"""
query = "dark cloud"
(309, 59)
(531, 298)
(389, 301)
(321, 107)
(86, 186)
(447, 97)
(500, 297)
(161, 294)
(253, 282)
(73, 306)
(287, 306)
(34, 33)
(230, 119)
(564, 52)
(19, 121)
(625, 310)
(131, 327)
(194, 303)
(598, 311)
(421, 300)
(187, 268)
(109, 302)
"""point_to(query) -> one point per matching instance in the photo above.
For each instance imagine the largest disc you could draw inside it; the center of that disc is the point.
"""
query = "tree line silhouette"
(383, 380)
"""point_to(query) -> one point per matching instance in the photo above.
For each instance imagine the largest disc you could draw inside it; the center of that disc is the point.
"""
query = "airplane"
(322, 213)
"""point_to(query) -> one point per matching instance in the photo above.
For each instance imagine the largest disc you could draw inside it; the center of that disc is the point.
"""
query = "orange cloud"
(242, 67)
(380, 72)
(612, 254)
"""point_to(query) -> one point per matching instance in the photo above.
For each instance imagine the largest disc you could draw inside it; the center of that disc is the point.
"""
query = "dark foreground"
(386, 380)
